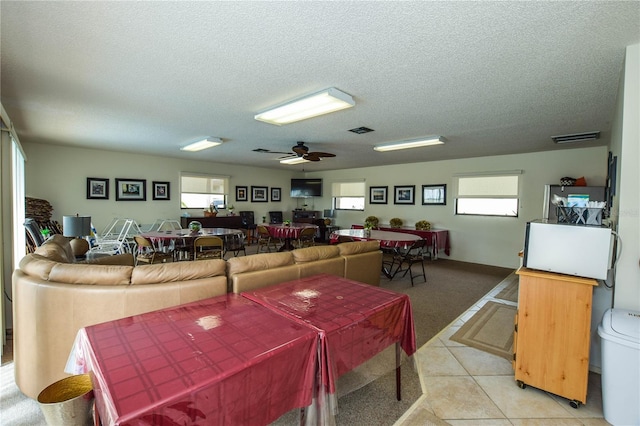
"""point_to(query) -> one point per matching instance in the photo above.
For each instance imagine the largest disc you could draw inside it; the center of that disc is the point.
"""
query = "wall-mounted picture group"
(127, 189)
(405, 194)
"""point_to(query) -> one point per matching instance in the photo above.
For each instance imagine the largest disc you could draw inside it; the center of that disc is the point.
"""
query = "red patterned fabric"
(355, 320)
(292, 231)
(224, 360)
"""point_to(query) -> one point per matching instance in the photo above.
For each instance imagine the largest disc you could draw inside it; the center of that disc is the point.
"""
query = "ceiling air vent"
(576, 137)
(361, 130)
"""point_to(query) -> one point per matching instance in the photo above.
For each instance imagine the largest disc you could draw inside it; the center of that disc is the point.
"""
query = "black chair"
(275, 217)
(249, 225)
(34, 233)
(235, 244)
(408, 257)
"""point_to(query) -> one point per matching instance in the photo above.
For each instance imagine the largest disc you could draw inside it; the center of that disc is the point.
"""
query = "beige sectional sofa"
(54, 297)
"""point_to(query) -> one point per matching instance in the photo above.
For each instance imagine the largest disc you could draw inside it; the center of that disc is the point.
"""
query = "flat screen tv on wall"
(301, 188)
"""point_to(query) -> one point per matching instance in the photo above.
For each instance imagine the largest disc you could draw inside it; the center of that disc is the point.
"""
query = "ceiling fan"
(302, 151)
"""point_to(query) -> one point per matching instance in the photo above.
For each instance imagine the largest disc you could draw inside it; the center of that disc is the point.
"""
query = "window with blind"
(488, 195)
(200, 191)
(348, 195)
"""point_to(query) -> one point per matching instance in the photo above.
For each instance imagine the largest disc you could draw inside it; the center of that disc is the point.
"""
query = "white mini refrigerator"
(580, 250)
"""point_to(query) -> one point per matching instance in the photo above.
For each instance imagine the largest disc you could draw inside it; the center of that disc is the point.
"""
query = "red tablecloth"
(224, 360)
(438, 238)
(355, 320)
(292, 231)
(388, 239)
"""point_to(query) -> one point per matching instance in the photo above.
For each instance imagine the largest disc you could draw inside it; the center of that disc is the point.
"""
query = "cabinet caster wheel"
(575, 404)
(521, 384)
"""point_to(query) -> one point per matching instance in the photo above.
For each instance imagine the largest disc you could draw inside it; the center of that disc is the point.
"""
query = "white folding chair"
(169, 225)
(118, 244)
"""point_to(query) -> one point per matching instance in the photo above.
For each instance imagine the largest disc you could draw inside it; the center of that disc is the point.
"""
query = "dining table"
(438, 239)
(223, 360)
(392, 241)
(355, 321)
(167, 241)
(287, 232)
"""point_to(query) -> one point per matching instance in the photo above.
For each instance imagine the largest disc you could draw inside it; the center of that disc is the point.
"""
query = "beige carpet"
(490, 330)
(510, 292)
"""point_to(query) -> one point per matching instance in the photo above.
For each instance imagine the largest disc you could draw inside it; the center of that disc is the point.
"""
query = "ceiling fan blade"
(322, 154)
(311, 157)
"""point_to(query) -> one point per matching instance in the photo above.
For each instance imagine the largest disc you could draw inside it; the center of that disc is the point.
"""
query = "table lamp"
(78, 227)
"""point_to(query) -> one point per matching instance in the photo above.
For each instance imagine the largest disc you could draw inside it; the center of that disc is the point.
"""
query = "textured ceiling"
(149, 77)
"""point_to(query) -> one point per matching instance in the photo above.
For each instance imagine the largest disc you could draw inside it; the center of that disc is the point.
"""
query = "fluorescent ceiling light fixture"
(324, 102)
(576, 137)
(203, 144)
(294, 160)
(415, 143)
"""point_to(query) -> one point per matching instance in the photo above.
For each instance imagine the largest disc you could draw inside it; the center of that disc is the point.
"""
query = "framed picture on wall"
(259, 194)
(378, 194)
(434, 194)
(275, 194)
(404, 194)
(131, 189)
(241, 193)
(161, 190)
(97, 188)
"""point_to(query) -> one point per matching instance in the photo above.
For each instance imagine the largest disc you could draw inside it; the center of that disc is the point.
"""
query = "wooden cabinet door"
(554, 329)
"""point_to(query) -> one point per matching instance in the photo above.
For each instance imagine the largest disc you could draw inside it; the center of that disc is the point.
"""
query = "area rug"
(490, 330)
(510, 292)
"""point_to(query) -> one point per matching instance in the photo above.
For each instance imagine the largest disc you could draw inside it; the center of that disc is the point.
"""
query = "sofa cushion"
(74, 273)
(258, 262)
(313, 254)
(38, 266)
(358, 247)
(177, 271)
(53, 252)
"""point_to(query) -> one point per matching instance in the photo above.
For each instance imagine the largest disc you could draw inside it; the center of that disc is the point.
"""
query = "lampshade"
(324, 102)
(76, 226)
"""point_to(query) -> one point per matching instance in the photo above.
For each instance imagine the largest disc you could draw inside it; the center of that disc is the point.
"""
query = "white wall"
(58, 174)
(477, 239)
(625, 145)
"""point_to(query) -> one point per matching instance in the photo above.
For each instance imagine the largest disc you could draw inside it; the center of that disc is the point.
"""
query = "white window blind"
(348, 195)
(488, 195)
(200, 191)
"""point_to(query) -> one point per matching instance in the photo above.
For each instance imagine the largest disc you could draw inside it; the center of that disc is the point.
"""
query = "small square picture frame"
(404, 194)
(378, 194)
(434, 195)
(259, 194)
(131, 189)
(97, 188)
(242, 193)
(161, 190)
(276, 194)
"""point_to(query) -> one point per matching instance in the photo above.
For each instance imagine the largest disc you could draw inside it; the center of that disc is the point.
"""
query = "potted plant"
(231, 208)
(396, 222)
(195, 227)
(212, 212)
(423, 225)
(371, 222)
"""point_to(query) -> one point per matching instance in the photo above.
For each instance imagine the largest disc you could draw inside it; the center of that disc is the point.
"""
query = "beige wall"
(477, 239)
(58, 174)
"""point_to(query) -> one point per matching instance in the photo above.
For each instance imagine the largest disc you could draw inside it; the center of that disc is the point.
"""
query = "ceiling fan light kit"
(576, 137)
(294, 160)
(414, 143)
(203, 144)
(323, 102)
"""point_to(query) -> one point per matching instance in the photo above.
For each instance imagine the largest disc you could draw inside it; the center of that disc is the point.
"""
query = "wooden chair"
(147, 253)
(408, 257)
(307, 238)
(208, 247)
(264, 239)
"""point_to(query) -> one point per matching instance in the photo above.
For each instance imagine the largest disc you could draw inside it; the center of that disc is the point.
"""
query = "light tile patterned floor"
(465, 386)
